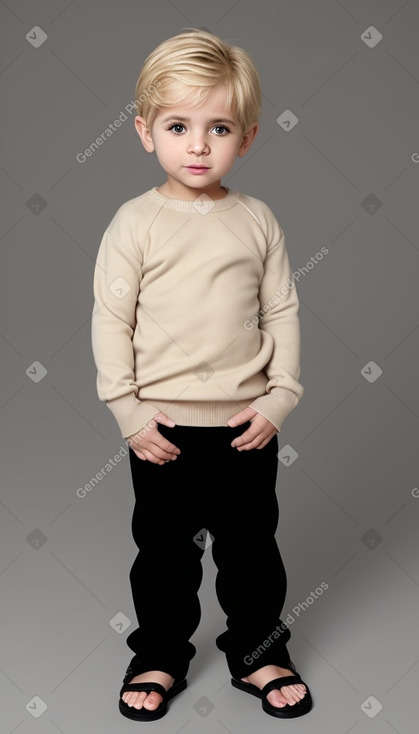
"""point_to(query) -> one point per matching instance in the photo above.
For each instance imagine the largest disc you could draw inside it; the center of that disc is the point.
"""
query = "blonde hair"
(196, 60)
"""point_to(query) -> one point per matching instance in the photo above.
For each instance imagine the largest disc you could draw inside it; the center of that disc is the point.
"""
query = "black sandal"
(284, 712)
(144, 714)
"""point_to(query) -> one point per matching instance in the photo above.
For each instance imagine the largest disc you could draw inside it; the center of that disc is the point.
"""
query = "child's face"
(180, 143)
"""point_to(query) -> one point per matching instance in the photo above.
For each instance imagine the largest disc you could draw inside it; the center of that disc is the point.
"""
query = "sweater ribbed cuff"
(131, 414)
(276, 406)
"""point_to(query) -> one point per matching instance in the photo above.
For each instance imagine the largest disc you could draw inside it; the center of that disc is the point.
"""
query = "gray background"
(344, 177)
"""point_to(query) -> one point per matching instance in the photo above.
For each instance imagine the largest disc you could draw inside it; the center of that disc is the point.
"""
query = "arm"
(280, 325)
(116, 285)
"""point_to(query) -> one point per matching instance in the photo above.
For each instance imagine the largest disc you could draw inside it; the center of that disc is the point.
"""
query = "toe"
(276, 699)
(152, 701)
(134, 702)
(288, 695)
(293, 694)
(129, 697)
(138, 700)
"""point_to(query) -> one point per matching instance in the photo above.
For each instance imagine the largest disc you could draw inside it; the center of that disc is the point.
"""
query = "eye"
(175, 124)
(221, 127)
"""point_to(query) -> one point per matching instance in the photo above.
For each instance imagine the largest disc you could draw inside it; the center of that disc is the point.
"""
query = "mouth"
(198, 167)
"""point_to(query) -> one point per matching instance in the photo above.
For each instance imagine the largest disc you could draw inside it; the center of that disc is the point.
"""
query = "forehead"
(215, 106)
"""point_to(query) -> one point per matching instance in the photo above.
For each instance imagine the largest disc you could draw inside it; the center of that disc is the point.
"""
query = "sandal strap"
(138, 666)
(138, 687)
(287, 680)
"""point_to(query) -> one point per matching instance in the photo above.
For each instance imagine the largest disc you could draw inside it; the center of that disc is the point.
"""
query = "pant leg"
(232, 494)
(251, 582)
(167, 572)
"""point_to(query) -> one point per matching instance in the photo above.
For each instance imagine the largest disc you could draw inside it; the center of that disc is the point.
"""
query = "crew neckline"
(207, 205)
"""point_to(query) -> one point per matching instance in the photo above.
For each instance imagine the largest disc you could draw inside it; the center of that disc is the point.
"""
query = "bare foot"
(278, 697)
(152, 699)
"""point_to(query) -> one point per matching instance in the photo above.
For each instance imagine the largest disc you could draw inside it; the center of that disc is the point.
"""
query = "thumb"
(245, 415)
(164, 419)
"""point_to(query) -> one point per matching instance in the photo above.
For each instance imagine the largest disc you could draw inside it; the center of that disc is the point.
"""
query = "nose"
(198, 145)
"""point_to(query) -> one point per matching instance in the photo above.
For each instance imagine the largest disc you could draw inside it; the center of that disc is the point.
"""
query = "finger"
(165, 449)
(259, 440)
(249, 435)
(261, 445)
(156, 448)
(247, 445)
(166, 445)
(265, 441)
(151, 457)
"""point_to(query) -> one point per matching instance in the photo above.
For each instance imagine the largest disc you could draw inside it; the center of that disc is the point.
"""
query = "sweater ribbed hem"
(132, 415)
(201, 413)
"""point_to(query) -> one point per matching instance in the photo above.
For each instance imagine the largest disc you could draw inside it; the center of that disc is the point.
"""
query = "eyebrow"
(187, 119)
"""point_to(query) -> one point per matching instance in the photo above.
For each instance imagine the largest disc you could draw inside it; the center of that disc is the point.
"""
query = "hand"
(153, 446)
(257, 435)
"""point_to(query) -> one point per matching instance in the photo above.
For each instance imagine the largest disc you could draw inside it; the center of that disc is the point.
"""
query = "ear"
(144, 133)
(248, 139)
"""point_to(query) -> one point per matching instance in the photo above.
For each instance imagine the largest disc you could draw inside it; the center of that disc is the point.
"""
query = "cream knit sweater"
(195, 312)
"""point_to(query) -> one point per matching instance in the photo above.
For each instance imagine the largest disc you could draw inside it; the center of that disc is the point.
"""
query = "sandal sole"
(284, 712)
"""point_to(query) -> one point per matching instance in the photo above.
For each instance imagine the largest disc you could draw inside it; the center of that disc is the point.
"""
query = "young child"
(196, 339)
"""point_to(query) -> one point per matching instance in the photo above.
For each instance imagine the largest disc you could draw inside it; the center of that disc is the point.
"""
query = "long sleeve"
(279, 321)
(116, 284)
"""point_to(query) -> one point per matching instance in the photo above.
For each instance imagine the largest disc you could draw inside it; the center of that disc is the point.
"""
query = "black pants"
(210, 486)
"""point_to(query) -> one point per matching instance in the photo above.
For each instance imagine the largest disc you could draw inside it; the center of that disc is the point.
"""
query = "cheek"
(171, 149)
(231, 153)
(167, 152)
